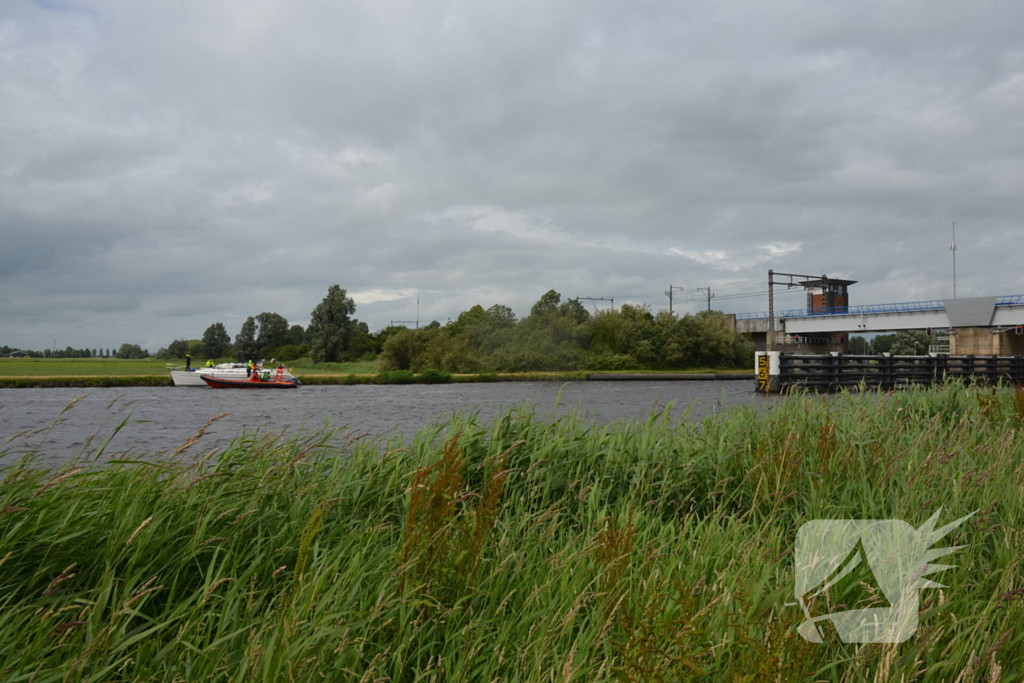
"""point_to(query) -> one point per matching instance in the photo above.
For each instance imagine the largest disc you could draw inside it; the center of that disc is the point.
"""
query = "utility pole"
(415, 322)
(790, 283)
(952, 248)
(709, 294)
(671, 288)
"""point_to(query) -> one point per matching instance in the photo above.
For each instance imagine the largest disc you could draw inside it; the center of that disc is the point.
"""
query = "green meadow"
(81, 367)
(521, 549)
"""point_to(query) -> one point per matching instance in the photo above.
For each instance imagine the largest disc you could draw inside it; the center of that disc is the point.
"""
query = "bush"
(287, 353)
(396, 377)
(611, 361)
(434, 377)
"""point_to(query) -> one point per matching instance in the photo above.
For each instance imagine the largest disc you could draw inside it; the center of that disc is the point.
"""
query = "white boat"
(193, 377)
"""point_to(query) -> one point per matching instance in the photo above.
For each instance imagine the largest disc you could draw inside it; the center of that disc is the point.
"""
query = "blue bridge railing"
(904, 307)
(934, 305)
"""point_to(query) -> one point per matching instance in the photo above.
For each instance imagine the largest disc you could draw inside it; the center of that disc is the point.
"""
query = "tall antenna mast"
(952, 248)
(418, 306)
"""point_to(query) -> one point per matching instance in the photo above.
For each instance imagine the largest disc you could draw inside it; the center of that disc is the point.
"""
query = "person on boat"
(209, 363)
(248, 368)
(188, 361)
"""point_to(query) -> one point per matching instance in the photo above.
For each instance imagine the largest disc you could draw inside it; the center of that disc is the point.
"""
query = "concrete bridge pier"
(985, 341)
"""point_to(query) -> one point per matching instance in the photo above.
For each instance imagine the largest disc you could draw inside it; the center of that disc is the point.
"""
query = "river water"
(160, 419)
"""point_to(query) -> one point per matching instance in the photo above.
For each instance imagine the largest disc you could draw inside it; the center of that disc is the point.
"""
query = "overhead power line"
(595, 299)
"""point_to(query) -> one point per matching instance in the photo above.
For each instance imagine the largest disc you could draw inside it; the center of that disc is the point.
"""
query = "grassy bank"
(44, 372)
(434, 377)
(398, 377)
(81, 367)
(162, 380)
(523, 550)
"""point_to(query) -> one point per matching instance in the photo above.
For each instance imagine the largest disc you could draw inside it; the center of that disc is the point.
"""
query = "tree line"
(67, 352)
(559, 335)
(333, 335)
(556, 335)
(914, 343)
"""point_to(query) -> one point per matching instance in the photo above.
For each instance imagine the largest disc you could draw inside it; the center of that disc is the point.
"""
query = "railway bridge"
(989, 325)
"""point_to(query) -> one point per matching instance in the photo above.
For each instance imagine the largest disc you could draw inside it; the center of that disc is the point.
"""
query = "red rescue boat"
(278, 381)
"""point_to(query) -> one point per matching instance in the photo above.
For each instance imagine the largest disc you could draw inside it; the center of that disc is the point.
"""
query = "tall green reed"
(519, 549)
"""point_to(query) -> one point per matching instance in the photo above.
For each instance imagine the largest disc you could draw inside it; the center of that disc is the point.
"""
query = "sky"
(166, 165)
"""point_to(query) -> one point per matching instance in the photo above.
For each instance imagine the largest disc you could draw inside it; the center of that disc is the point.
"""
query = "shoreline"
(85, 381)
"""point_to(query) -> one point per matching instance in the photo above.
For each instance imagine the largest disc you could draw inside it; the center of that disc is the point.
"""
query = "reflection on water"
(157, 420)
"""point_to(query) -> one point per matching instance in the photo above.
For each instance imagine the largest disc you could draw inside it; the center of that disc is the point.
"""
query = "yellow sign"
(763, 376)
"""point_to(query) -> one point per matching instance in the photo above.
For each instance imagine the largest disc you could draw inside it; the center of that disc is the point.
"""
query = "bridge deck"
(1001, 311)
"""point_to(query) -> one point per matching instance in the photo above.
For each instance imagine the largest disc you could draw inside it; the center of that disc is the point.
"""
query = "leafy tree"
(547, 305)
(216, 341)
(575, 311)
(363, 344)
(331, 326)
(883, 343)
(501, 316)
(131, 351)
(386, 333)
(290, 352)
(245, 341)
(910, 344)
(177, 348)
(467, 319)
(859, 346)
(296, 335)
(415, 350)
(272, 331)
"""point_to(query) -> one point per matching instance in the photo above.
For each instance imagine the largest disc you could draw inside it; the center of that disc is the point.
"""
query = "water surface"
(160, 419)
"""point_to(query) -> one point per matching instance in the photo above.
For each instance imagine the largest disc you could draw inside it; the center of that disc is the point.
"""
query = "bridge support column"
(980, 341)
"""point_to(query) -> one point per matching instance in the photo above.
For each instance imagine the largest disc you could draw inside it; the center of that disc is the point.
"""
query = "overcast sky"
(165, 165)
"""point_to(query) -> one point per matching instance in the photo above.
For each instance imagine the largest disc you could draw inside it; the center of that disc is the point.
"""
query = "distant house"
(17, 354)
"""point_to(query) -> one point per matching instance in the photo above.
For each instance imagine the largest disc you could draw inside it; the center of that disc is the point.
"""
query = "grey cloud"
(169, 166)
